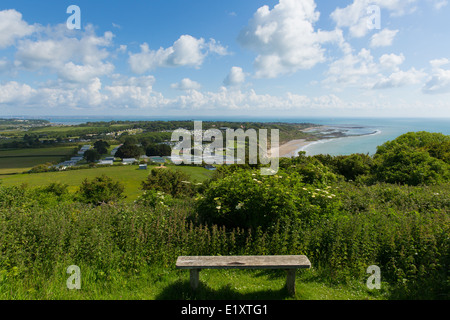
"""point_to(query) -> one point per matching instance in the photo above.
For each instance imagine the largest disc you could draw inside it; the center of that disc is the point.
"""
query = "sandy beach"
(289, 149)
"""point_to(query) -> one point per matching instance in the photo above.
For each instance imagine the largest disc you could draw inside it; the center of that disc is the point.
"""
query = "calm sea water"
(385, 129)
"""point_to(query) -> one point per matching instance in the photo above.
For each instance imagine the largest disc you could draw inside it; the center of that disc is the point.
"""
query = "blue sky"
(286, 58)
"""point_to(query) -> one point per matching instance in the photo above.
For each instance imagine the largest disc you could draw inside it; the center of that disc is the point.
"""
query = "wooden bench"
(289, 263)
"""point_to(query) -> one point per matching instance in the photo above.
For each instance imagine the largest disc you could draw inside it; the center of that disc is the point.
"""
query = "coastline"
(291, 148)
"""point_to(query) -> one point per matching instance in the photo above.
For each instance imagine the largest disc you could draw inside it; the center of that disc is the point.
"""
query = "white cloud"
(355, 16)
(439, 4)
(391, 61)
(57, 95)
(352, 70)
(186, 84)
(235, 77)
(73, 57)
(84, 73)
(285, 39)
(362, 71)
(186, 51)
(12, 27)
(437, 63)
(134, 92)
(400, 78)
(15, 93)
(439, 80)
(383, 38)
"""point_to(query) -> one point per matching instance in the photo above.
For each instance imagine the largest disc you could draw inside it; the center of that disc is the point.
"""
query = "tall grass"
(412, 247)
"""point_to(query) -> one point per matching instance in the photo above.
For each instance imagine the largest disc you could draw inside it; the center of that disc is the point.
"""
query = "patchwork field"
(18, 161)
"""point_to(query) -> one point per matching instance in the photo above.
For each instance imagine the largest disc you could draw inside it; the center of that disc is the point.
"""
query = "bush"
(410, 167)
(153, 198)
(173, 182)
(414, 158)
(100, 190)
(246, 199)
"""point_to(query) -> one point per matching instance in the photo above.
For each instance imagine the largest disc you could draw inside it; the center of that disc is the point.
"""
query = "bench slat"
(243, 262)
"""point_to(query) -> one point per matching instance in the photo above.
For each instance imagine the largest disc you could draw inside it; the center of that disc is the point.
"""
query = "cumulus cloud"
(356, 15)
(352, 70)
(439, 81)
(285, 38)
(186, 84)
(186, 51)
(400, 78)
(235, 77)
(12, 27)
(383, 38)
(75, 57)
(13, 92)
(391, 61)
(363, 71)
(134, 92)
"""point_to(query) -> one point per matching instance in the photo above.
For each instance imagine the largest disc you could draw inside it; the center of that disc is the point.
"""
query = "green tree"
(129, 151)
(101, 146)
(91, 155)
(158, 150)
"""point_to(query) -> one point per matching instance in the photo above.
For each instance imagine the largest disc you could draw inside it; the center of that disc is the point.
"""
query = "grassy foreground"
(170, 284)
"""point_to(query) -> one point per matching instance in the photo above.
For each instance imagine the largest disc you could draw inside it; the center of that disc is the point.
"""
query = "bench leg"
(290, 281)
(194, 275)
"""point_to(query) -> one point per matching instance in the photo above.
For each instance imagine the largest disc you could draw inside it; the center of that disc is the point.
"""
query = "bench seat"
(290, 263)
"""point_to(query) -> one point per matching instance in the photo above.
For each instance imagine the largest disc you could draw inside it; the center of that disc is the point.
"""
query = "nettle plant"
(246, 199)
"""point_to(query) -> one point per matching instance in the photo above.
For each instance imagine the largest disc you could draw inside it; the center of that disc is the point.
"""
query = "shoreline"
(293, 147)
(290, 148)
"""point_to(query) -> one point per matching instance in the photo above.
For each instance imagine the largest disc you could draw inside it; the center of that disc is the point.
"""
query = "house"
(110, 162)
(142, 167)
(109, 159)
(129, 160)
(76, 159)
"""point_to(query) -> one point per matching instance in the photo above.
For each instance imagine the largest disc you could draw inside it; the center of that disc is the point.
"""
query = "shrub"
(100, 190)
(246, 199)
(414, 158)
(173, 182)
(152, 198)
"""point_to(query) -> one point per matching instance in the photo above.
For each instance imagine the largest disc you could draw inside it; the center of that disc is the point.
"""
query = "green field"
(19, 161)
(130, 176)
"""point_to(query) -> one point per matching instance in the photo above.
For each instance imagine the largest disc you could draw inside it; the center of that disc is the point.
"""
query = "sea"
(363, 135)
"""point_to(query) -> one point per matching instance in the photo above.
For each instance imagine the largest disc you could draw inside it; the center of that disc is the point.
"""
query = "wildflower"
(218, 207)
(239, 206)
